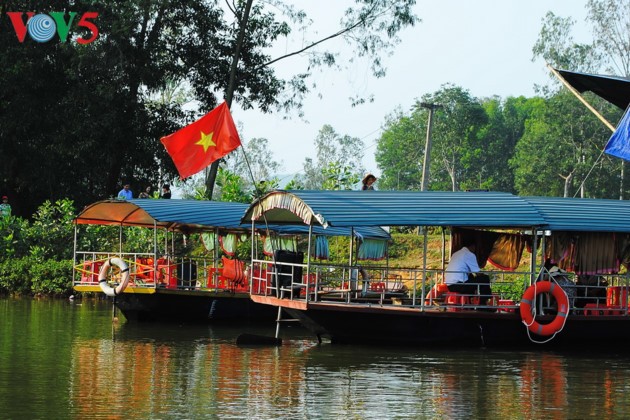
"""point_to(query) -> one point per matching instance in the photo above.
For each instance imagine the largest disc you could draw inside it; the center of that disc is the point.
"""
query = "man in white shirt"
(461, 274)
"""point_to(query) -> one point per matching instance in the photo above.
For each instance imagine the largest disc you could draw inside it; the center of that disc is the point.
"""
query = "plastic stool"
(506, 305)
(617, 296)
(456, 301)
(593, 309)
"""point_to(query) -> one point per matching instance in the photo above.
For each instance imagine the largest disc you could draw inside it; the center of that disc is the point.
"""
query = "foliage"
(255, 167)
(610, 20)
(52, 229)
(608, 52)
(457, 147)
(556, 45)
(505, 126)
(405, 250)
(339, 177)
(232, 187)
(15, 276)
(34, 275)
(338, 162)
(560, 146)
(13, 243)
(456, 143)
(294, 184)
(36, 257)
(399, 151)
(50, 277)
(93, 122)
(98, 237)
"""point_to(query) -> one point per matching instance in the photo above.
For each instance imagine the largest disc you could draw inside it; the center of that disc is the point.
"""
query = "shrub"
(51, 277)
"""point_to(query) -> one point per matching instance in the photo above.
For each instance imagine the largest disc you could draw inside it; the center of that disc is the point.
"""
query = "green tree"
(505, 126)
(256, 164)
(79, 120)
(556, 45)
(400, 149)
(455, 160)
(338, 157)
(370, 28)
(559, 148)
(610, 20)
(339, 177)
(608, 52)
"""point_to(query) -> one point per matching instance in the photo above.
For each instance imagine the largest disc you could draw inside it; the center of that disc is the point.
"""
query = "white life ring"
(102, 276)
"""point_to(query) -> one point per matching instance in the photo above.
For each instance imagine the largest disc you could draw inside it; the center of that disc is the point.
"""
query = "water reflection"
(68, 361)
(193, 371)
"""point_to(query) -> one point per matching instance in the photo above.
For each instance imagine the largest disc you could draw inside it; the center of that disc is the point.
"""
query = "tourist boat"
(586, 305)
(154, 280)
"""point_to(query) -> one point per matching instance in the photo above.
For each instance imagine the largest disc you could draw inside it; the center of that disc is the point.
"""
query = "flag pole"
(577, 94)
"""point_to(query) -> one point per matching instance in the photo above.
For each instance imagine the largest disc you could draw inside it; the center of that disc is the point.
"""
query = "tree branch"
(308, 47)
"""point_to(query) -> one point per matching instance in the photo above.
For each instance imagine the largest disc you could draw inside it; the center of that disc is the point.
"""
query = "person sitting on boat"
(462, 273)
(554, 273)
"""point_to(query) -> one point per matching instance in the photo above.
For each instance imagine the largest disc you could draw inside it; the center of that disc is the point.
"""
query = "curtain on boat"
(208, 239)
(228, 243)
(321, 250)
(270, 244)
(587, 252)
(372, 249)
(507, 251)
(502, 250)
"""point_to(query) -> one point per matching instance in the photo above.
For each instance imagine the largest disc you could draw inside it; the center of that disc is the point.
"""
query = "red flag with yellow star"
(197, 145)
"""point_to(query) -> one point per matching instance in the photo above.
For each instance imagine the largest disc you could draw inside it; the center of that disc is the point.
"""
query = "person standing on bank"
(166, 191)
(462, 273)
(125, 193)
(368, 182)
(5, 207)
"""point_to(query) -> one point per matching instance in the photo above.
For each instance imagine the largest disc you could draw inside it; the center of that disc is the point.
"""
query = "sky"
(484, 46)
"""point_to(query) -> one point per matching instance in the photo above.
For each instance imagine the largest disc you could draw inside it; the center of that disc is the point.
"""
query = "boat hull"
(183, 306)
(373, 324)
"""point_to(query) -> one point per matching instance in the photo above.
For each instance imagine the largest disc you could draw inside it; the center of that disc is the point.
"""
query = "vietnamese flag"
(197, 145)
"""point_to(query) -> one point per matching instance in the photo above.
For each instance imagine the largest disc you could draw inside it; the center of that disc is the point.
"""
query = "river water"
(68, 360)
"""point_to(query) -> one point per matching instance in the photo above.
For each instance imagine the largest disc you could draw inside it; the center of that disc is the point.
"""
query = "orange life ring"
(435, 293)
(526, 308)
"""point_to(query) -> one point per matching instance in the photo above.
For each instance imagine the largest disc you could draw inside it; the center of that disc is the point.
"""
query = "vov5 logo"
(43, 27)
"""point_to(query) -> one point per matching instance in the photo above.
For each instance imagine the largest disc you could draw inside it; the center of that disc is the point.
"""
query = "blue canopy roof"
(461, 209)
(395, 208)
(196, 216)
(583, 214)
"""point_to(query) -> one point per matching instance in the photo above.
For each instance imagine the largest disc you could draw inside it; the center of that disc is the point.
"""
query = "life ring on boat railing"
(436, 292)
(526, 308)
(102, 276)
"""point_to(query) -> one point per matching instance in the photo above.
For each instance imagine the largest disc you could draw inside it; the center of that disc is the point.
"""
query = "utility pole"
(427, 146)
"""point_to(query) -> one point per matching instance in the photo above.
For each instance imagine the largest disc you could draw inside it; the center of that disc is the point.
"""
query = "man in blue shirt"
(125, 193)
